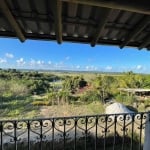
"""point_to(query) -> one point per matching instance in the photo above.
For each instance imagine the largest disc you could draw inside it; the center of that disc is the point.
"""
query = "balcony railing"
(98, 132)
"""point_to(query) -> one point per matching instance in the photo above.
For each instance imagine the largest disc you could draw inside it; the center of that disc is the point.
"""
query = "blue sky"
(70, 56)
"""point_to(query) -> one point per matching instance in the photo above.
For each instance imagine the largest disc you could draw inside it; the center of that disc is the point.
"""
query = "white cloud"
(92, 68)
(78, 67)
(36, 63)
(9, 55)
(49, 62)
(139, 67)
(95, 68)
(87, 67)
(3, 60)
(40, 62)
(20, 61)
(32, 62)
(108, 68)
(60, 65)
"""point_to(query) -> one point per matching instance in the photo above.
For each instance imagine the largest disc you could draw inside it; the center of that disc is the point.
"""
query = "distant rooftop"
(108, 22)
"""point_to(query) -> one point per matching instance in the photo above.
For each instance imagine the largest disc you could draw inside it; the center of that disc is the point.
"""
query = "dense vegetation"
(25, 92)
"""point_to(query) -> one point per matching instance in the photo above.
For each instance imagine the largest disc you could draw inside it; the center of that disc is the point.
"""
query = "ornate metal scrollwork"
(40, 128)
(72, 128)
(63, 126)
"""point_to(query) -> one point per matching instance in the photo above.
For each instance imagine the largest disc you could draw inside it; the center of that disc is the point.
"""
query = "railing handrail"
(70, 117)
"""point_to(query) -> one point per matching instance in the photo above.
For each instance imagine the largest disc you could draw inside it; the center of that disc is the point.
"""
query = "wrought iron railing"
(98, 132)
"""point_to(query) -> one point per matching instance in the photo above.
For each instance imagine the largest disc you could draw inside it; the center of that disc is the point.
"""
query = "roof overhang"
(121, 23)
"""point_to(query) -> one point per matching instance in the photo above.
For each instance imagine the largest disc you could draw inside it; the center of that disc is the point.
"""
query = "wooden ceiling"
(107, 22)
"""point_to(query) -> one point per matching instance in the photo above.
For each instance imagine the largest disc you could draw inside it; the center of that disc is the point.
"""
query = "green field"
(33, 94)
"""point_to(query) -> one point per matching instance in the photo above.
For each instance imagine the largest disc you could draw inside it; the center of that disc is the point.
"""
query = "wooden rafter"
(5, 10)
(49, 16)
(101, 26)
(137, 6)
(17, 7)
(34, 9)
(58, 20)
(137, 29)
(145, 43)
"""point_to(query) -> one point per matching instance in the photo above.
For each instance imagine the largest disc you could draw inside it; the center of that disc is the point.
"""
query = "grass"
(17, 108)
(71, 110)
(39, 106)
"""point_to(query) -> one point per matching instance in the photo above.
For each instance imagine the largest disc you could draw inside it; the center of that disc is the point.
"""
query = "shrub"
(40, 103)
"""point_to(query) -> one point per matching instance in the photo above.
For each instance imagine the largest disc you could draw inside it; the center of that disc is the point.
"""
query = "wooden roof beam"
(145, 43)
(7, 13)
(49, 16)
(101, 26)
(137, 29)
(137, 6)
(58, 20)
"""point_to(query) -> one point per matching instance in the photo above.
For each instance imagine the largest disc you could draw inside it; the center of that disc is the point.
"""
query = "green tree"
(103, 85)
(72, 84)
(18, 89)
(131, 80)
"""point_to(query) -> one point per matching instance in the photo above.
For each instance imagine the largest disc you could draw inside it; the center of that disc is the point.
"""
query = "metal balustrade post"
(28, 127)
(64, 134)
(132, 131)
(41, 134)
(15, 134)
(75, 126)
(141, 126)
(96, 123)
(115, 122)
(123, 130)
(86, 122)
(105, 131)
(53, 126)
(1, 130)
